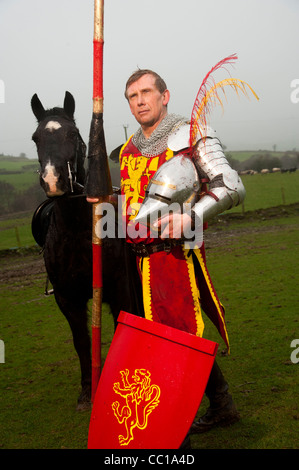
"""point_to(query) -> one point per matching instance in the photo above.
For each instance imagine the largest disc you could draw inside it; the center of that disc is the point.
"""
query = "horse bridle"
(72, 172)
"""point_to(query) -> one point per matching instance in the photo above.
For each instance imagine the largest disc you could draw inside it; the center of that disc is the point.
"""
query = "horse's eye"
(72, 134)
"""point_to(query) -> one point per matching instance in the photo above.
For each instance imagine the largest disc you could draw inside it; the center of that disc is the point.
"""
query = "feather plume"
(208, 96)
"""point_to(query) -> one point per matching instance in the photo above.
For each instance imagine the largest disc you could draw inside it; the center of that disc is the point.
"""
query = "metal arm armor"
(226, 189)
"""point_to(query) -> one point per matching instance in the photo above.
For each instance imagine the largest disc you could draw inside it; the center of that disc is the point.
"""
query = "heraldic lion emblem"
(141, 398)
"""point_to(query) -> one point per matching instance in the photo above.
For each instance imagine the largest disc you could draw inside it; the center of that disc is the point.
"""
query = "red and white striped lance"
(98, 185)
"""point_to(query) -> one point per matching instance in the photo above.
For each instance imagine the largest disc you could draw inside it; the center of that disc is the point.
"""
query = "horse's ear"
(37, 107)
(69, 104)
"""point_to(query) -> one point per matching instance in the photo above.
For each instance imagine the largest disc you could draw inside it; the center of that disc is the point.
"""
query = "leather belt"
(146, 249)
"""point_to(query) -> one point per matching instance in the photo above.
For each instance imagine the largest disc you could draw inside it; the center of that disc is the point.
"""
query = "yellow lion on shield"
(141, 399)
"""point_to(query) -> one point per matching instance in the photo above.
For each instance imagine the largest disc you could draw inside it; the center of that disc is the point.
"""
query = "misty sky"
(46, 48)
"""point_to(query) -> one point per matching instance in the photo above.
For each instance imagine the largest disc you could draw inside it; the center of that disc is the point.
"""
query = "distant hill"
(19, 184)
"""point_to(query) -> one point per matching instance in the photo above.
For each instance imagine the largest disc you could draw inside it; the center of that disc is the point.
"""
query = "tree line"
(12, 200)
(267, 160)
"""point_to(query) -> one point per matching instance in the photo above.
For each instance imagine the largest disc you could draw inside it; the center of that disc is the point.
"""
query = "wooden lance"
(98, 186)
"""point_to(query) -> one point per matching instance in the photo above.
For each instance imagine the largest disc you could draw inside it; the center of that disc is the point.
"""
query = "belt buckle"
(144, 250)
(167, 247)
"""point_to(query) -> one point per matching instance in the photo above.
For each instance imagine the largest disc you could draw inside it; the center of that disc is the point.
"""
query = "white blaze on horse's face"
(50, 177)
(53, 126)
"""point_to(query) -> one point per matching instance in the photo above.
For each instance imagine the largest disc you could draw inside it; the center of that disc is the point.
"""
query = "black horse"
(62, 225)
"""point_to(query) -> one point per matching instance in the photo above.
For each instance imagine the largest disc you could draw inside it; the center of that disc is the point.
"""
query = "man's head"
(159, 82)
(148, 97)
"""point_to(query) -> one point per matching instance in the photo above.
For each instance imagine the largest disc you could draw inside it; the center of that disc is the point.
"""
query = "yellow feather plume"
(210, 99)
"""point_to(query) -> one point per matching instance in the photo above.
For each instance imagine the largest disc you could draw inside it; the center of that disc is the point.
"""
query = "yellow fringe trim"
(216, 302)
(195, 294)
(146, 287)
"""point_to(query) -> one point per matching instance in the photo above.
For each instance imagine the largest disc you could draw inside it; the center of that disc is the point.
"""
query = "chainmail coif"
(157, 142)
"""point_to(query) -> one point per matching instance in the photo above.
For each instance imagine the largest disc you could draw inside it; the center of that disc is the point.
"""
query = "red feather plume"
(208, 96)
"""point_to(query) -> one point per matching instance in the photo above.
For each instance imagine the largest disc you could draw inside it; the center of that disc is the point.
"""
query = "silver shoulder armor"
(226, 189)
(180, 138)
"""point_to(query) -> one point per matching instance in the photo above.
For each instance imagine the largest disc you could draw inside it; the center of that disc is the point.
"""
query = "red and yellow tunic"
(175, 284)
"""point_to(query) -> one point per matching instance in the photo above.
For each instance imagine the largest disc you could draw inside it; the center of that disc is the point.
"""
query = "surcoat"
(176, 284)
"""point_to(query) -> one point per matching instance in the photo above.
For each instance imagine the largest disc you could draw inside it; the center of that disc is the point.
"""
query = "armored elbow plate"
(234, 185)
(221, 197)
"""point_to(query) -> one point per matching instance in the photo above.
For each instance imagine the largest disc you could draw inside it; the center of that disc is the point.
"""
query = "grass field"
(257, 277)
(27, 168)
(254, 264)
(269, 190)
(17, 163)
(17, 236)
(21, 181)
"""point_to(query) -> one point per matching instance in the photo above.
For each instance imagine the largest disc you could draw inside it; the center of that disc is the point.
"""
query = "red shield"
(151, 386)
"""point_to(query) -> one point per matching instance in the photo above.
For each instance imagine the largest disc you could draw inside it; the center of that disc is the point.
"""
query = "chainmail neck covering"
(157, 142)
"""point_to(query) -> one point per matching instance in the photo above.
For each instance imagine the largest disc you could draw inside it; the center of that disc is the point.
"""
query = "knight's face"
(147, 104)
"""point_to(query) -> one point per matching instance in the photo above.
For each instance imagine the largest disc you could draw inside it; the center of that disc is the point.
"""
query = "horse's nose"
(50, 178)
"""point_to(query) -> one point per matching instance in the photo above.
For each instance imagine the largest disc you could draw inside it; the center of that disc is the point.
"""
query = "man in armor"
(175, 281)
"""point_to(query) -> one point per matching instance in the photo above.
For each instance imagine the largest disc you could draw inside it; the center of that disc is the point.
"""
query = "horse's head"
(61, 150)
